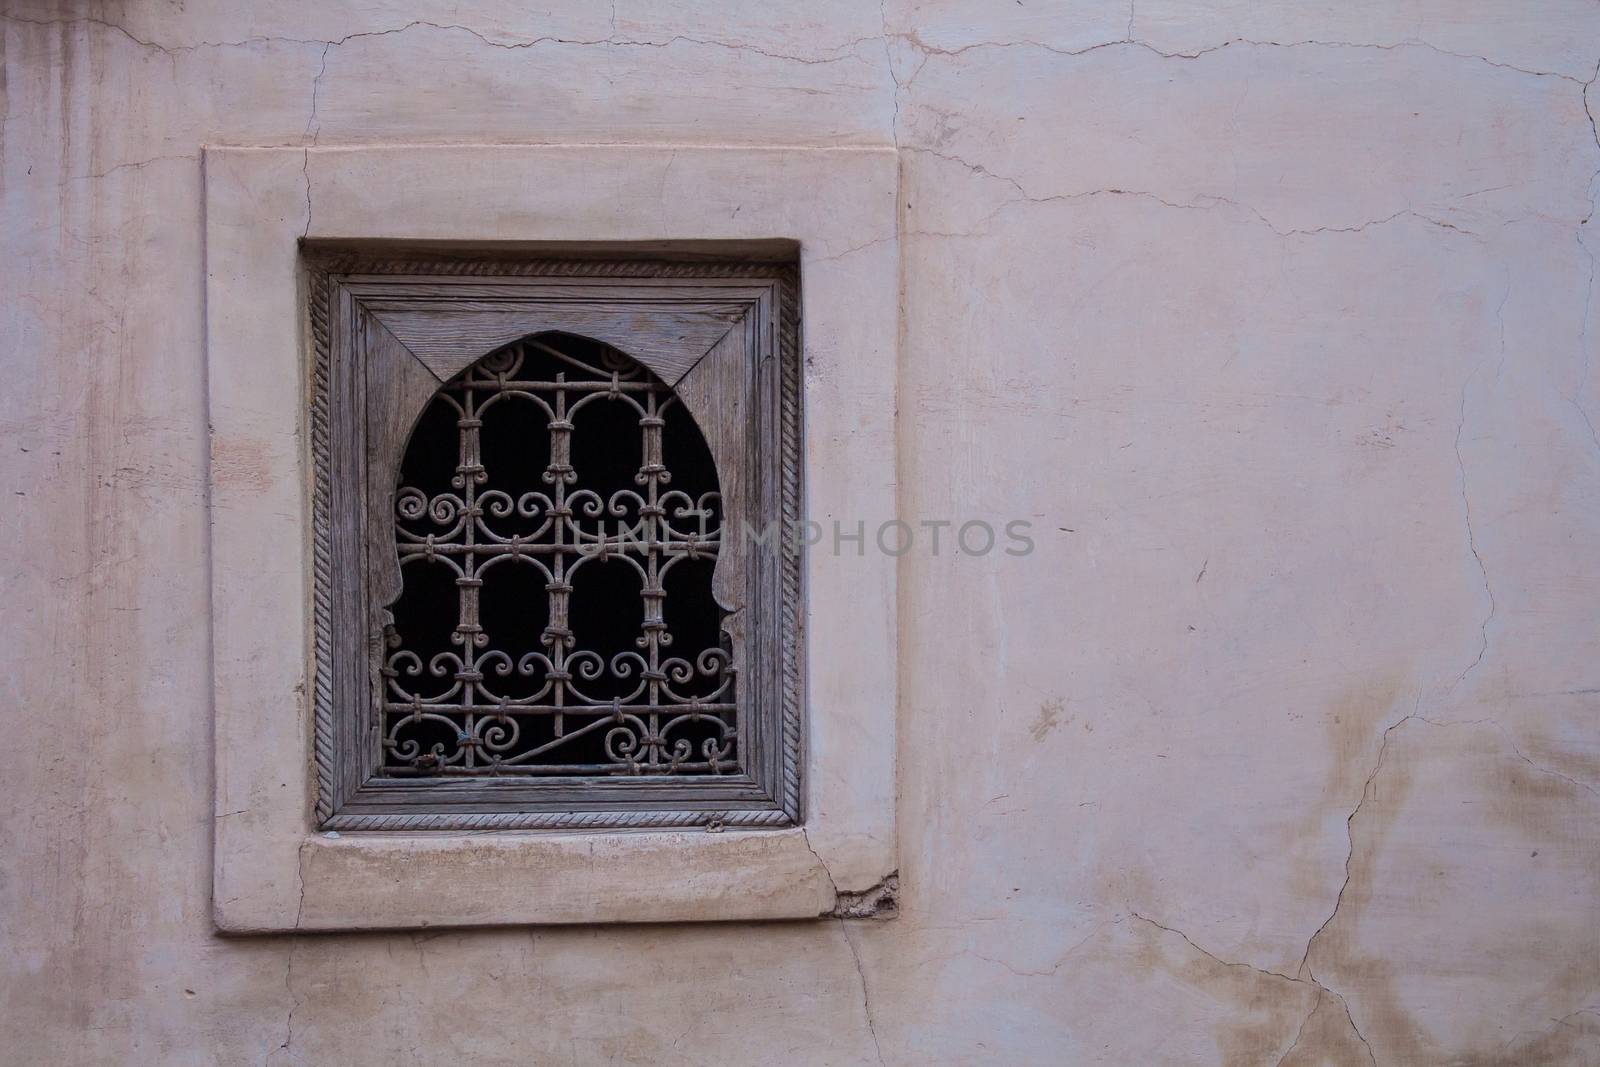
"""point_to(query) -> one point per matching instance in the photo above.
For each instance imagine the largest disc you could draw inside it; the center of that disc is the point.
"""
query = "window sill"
(385, 881)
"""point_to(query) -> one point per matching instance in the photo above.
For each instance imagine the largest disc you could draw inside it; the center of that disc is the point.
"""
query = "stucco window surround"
(273, 870)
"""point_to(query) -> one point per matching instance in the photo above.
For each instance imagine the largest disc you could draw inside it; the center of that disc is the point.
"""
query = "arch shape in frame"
(479, 735)
(554, 499)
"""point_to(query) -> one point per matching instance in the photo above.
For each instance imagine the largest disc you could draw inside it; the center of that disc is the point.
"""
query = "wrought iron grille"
(558, 521)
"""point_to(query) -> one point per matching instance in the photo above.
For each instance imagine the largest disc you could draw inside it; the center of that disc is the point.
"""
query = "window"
(554, 579)
(329, 333)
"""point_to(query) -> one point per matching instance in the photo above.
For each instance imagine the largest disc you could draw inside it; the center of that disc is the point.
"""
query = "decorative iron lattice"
(550, 499)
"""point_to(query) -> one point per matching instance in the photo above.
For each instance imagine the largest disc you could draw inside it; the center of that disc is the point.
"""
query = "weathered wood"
(710, 329)
(348, 595)
(716, 393)
(668, 342)
(399, 387)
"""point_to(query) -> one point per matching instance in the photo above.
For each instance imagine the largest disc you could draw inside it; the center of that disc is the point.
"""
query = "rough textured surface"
(1274, 318)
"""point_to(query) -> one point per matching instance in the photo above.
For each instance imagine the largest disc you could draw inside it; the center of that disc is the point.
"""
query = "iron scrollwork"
(534, 677)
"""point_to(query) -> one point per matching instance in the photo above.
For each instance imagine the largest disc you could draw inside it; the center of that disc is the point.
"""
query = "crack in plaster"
(849, 50)
(1466, 503)
(305, 172)
(856, 248)
(1554, 1024)
(840, 52)
(316, 87)
(1130, 41)
(1366, 791)
(1349, 825)
(1051, 971)
(1351, 1019)
(805, 836)
(1316, 1005)
(136, 165)
(913, 40)
(1308, 980)
(1218, 959)
(1202, 202)
(855, 955)
(1511, 743)
(1542, 769)
(877, 901)
(866, 995)
(888, 62)
(288, 970)
(1594, 130)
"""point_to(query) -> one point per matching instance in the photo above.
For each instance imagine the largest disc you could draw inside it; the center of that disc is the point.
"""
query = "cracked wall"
(1275, 320)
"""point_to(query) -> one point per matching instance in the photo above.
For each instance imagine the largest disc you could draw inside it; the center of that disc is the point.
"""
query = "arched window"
(556, 577)
(557, 522)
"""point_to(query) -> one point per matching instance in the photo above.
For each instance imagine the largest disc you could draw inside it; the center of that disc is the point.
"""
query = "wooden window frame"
(387, 331)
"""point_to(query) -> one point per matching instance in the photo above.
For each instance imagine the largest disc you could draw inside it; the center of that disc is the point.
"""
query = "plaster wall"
(1274, 319)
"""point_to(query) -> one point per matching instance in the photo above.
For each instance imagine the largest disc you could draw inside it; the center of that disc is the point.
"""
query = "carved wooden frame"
(386, 332)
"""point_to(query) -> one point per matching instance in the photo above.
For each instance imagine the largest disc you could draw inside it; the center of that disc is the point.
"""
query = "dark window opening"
(558, 519)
